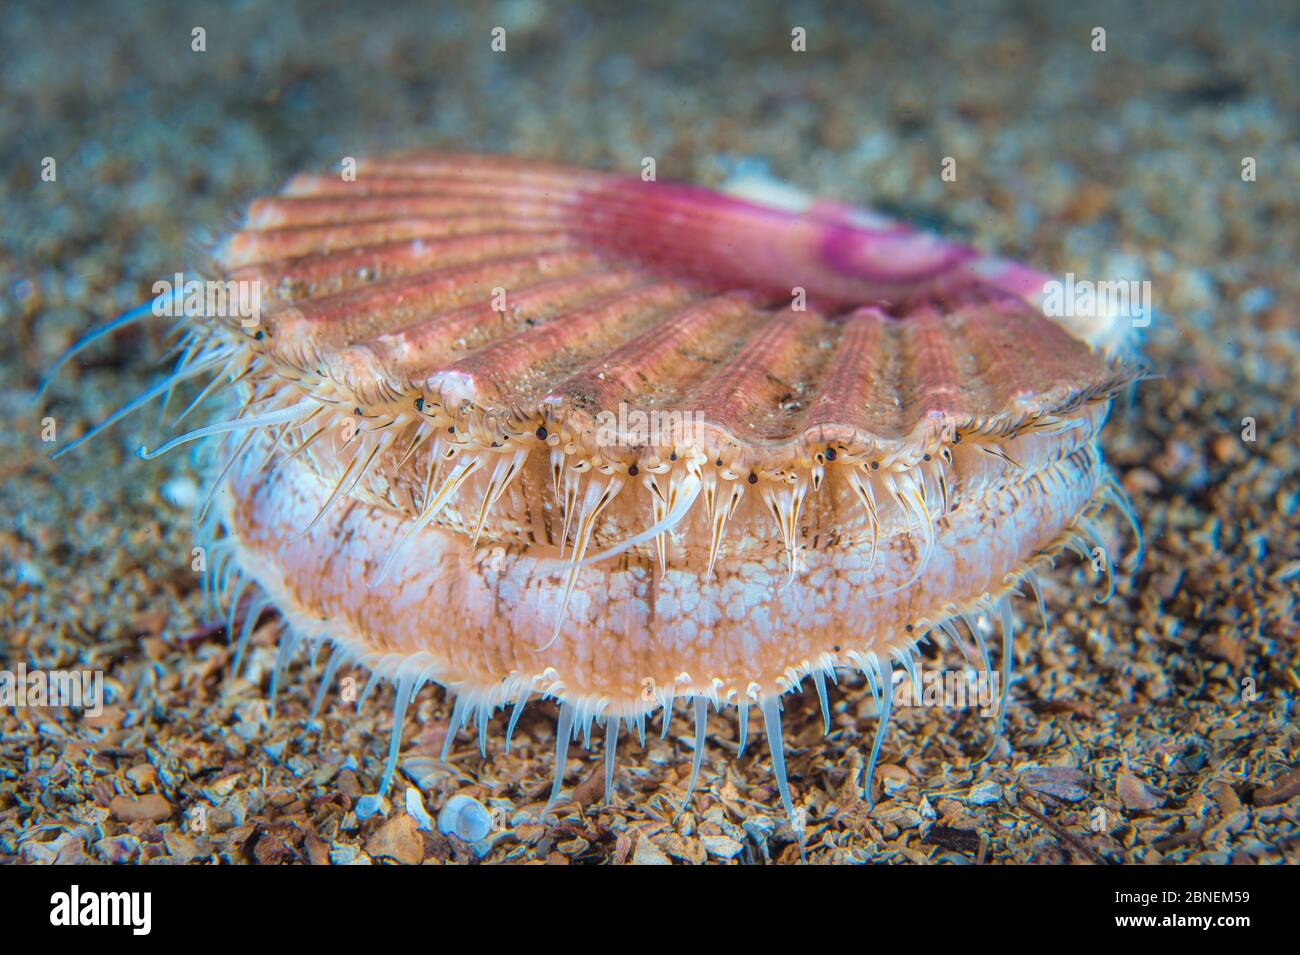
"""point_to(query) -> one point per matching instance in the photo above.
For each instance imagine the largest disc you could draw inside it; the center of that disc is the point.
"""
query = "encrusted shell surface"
(504, 291)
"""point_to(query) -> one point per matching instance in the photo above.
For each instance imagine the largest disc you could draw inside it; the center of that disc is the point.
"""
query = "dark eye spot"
(419, 403)
(632, 470)
(753, 478)
(830, 454)
(541, 434)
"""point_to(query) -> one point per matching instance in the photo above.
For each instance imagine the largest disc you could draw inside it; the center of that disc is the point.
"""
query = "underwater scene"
(694, 433)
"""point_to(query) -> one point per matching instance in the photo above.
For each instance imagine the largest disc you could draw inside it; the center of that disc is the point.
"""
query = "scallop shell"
(465, 818)
(525, 429)
(518, 290)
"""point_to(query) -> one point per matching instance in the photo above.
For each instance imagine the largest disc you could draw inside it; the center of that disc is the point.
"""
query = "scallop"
(529, 431)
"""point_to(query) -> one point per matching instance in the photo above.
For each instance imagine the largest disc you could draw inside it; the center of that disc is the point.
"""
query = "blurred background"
(1126, 160)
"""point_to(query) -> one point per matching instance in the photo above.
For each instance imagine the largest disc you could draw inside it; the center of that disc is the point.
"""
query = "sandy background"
(1123, 164)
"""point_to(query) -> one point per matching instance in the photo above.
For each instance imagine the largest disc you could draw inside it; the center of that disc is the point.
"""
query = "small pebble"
(982, 794)
(348, 855)
(1061, 782)
(29, 574)
(397, 839)
(151, 808)
(1255, 300)
(415, 809)
(182, 492)
(647, 853)
(724, 847)
(118, 849)
(1134, 794)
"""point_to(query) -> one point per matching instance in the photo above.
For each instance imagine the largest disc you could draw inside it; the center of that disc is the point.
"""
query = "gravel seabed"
(1158, 727)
